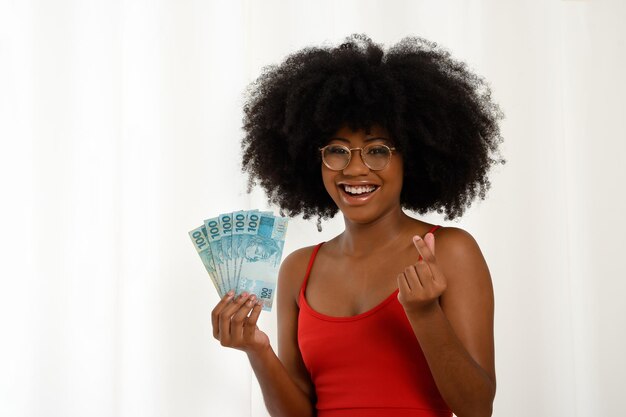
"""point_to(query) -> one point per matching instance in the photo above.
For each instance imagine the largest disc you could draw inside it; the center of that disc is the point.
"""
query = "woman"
(394, 316)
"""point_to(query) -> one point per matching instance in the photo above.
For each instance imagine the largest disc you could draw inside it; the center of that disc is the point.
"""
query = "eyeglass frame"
(391, 151)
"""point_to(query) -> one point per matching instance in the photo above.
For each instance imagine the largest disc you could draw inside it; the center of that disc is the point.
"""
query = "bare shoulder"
(455, 239)
(292, 271)
(460, 259)
(458, 254)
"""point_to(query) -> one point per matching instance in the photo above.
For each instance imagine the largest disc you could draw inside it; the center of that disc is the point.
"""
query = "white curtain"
(120, 127)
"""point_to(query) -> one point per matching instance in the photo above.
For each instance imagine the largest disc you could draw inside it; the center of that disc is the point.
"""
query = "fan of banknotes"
(241, 251)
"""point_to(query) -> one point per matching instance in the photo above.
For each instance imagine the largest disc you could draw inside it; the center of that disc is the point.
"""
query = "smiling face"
(364, 195)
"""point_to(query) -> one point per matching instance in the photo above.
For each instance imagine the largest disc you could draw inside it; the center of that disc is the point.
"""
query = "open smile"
(357, 193)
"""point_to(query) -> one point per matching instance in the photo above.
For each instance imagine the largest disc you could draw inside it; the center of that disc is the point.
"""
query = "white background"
(120, 128)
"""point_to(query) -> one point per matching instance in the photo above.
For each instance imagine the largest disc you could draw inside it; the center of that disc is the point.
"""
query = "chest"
(344, 287)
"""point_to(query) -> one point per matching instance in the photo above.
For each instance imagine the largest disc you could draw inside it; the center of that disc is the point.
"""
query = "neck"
(361, 239)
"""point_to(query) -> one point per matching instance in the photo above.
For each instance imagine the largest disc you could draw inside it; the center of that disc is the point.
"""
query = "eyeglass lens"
(376, 157)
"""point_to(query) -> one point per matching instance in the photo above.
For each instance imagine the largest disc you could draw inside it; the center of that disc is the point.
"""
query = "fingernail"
(230, 293)
(259, 302)
(252, 297)
(417, 237)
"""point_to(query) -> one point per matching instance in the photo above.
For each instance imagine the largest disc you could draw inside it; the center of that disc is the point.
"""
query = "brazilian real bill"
(201, 243)
(242, 251)
(261, 251)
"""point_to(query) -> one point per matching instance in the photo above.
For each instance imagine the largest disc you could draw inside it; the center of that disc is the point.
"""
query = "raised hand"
(421, 284)
(234, 323)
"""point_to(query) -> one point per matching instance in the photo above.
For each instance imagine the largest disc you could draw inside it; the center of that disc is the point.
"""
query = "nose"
(356, 166)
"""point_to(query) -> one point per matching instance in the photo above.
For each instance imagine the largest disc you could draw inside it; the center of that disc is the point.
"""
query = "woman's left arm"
(448, 300)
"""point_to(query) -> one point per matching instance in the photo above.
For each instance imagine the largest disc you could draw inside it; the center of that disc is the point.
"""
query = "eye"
(377, 150)
(337, 150)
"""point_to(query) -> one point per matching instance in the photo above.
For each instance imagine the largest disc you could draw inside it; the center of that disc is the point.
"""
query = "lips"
(357, 193)
(359, 189)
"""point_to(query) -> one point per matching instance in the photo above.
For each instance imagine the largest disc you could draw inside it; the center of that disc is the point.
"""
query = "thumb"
(429, 239)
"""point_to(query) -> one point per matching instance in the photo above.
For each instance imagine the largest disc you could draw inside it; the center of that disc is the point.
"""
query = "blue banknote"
(242, 251)
(260, 252)
(200, 241)
(226, 239)
(214, 233)
(239, 226)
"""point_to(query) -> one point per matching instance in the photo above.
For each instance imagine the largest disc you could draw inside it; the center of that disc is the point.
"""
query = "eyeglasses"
(374, 156)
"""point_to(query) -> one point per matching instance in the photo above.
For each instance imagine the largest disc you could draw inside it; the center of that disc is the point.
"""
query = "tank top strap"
(432, 230)
(310, 266)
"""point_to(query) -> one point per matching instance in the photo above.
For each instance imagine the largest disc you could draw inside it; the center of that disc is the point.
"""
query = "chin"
(362, 215)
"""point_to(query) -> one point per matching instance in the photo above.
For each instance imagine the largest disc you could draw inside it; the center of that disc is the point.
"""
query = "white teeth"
(360, 189)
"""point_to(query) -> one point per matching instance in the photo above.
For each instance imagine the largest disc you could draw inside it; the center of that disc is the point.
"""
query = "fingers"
(250, 323)
(423, 271)
(421, 284)
(215, 314)
(225, 317)
(429, 239)
(403, 285)
(231, 324)
(413, 277)
(239, 319)
(426, 252)
(426, 248)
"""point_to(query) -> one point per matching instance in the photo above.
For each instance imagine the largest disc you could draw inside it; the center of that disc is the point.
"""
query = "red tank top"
(368, 365)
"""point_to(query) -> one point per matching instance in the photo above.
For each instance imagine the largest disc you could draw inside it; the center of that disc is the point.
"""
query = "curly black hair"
(439, 114)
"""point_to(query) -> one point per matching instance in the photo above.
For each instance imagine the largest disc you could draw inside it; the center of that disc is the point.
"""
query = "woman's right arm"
(285, 383)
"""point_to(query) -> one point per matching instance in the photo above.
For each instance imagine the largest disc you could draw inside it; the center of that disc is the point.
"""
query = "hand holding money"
(234, 323)
(241, 251)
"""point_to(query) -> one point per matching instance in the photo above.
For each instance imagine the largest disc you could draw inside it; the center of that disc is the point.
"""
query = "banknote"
(261, 251)
(201, 243)
(250, 228)
(242, 250)
(226, 238)
(239, 225)
(214, 234)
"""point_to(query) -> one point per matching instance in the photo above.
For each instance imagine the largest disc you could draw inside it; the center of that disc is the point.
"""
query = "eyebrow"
(366, 140)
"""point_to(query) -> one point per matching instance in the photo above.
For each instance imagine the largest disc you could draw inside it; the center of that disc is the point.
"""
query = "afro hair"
(439, 114)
